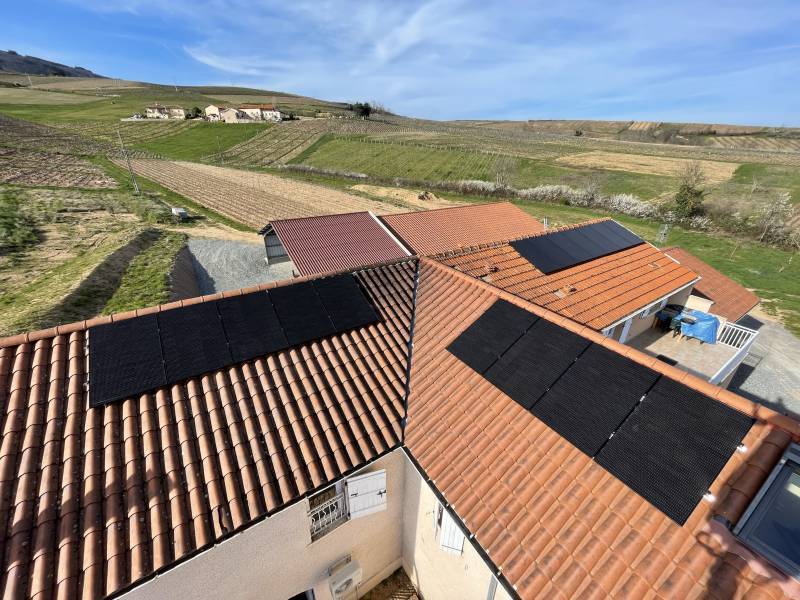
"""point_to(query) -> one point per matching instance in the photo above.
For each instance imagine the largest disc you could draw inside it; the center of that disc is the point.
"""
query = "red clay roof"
(336, 242)
(95, 499)
(731, 300)
(596, 293)
(555, 522)
(433, 231)
(261, 106)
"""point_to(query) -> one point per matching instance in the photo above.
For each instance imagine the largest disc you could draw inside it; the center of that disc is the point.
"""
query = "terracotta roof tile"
(94, 499)
(336, 242)
(731, 300)
(572, 528)
(597, 293)
(434, 231)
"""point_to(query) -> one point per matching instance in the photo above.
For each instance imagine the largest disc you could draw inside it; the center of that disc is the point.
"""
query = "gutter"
(633, 314)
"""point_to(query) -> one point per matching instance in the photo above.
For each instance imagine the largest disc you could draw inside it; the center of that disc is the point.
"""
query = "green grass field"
(202, 139)
(41, 97)
(423, 163)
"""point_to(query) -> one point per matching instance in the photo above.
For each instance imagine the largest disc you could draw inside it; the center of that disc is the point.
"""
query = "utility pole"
(128, 161)
(30, 83)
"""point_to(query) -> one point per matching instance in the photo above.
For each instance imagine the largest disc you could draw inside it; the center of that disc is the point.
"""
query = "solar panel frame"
(301, 313)
(193, 341)
(345, 302)
(481, 344)
(586, 404)
(673, 446)
(563, 249)
(535, 361)
(125, 359)
(251, 326)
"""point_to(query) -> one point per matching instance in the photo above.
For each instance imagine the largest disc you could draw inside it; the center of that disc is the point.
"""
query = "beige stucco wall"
(638, 325)
(438, 575)
(275, 559)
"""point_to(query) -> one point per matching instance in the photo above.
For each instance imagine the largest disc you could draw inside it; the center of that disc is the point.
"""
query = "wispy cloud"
(736, 61)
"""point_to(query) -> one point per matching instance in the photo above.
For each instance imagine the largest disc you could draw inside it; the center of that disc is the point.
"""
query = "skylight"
(771, 524)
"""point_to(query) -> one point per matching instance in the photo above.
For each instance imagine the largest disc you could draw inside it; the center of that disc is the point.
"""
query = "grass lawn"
(770, 176)
(202, 139)
(146, 280)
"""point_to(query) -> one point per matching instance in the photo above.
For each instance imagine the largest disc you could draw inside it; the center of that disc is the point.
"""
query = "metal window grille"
(327, 516)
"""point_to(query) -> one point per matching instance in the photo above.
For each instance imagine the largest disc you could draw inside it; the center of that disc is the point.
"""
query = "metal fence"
(327, 516)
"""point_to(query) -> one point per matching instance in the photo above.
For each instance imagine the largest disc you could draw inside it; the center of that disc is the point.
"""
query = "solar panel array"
(664, 440)
(134, 356)
(562, 249)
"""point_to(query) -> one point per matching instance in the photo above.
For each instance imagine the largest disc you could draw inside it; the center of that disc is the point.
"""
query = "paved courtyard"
(770, 375)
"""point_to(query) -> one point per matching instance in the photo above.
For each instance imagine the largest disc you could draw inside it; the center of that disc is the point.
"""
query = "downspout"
(410, 354)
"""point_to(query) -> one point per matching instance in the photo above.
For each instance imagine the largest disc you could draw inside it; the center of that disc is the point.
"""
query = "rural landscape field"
(64, 155)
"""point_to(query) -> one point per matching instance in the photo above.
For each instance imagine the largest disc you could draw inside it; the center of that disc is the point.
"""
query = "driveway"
(221, 265)
(770, 375)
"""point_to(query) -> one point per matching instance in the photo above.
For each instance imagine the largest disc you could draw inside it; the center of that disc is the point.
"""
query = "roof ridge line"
(40, 334)
(409, 212)
(743, 405)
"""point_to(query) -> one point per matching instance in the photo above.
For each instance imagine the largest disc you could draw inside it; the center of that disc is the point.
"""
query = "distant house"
(231, 115)
(161, 111)
(212, 112)
(261, 112)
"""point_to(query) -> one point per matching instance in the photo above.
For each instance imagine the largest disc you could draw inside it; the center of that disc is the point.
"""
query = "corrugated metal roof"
(433, 231)
(335, 242)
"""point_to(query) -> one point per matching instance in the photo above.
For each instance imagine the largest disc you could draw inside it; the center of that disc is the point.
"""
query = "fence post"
(128, 161)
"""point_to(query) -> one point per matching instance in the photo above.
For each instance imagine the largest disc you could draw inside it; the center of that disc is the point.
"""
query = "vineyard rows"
(252, 198)
(755, 143)
(133, 132)
(26, 167)
(43, 138)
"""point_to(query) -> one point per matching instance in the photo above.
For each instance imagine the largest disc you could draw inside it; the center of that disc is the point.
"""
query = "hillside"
(11, 62)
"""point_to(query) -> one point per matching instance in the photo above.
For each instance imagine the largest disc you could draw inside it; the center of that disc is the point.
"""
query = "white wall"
(275, 559)
(438, 575)
(639, 325)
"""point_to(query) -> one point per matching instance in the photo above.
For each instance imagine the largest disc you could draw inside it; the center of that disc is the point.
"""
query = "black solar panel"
(125, 359)
(251, 326)
(482, 343)
(562, 249)
(193, 341)
(301, 313)
(535, 362)
(590, 401)
(673, 446)
(346, 304)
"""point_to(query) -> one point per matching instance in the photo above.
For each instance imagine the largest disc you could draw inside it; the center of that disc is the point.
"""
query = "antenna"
(663, 232)
(128, 161)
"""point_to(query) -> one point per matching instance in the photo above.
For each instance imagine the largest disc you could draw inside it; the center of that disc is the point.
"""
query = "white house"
(212, 112)
(261, 112)
(161, 111)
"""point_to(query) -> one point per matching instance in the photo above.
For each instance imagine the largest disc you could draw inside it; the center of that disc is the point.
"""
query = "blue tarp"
(704, 328)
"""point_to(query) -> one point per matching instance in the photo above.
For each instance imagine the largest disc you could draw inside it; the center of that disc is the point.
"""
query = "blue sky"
(724, 61)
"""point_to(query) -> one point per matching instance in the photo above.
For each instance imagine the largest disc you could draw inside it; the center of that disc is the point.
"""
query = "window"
(653, 308)
(771, 524)
(450, 537)
(355, 497)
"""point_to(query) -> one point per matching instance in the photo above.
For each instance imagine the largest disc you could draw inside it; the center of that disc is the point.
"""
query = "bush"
(689, 199)
(17, 225)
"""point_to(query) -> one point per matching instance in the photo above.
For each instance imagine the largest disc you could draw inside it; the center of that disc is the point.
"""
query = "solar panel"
(193, 341)
(482, 343)
(535, 362)
(251, 326)
(562, 249)
(301, 313)
(125, 359)
(590, 401)
(346, 304)
(673, 446)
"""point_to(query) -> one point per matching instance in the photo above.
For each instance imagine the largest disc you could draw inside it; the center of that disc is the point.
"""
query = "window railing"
(327, 516)
(735, 336)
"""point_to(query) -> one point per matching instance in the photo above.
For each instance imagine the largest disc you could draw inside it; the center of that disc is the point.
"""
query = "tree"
(362, 109)
(691, 191)
(194, 113)
(774, 218)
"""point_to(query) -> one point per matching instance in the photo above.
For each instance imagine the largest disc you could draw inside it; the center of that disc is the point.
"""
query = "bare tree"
(774, 219)
(504, 170)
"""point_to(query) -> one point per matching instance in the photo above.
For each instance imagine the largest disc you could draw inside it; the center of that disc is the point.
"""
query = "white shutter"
(450, 537)
(366, 494)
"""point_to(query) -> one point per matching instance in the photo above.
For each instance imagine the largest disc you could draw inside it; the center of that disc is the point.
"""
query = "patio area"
(692, 355)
